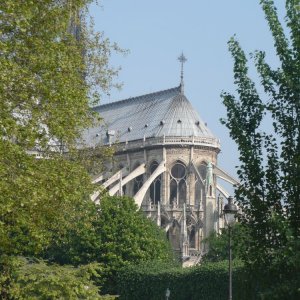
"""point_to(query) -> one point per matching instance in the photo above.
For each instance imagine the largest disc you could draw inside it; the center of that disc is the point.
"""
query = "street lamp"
(230, 211)
(168, 293)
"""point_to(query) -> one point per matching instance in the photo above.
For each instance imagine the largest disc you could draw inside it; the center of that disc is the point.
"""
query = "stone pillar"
(184, 237)
(158, 214)
(120, 185)
(210, 203)
(164, 186)
(130, 183)
(191, 179)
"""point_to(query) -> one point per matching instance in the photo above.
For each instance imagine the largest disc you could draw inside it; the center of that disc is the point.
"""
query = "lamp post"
(168, 293)
(230, 211)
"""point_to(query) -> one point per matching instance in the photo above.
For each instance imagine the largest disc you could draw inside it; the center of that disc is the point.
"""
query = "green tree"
(36, 279)
(51, 62)
(270, 161)
(47, 72)
(39, 199)
(120, 235)
(128, 237)
(218, 244)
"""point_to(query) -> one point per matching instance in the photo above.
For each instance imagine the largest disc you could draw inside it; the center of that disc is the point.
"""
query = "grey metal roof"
(165, 113)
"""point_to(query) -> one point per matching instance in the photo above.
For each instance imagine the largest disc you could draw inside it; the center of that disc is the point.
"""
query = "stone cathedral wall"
(201, 206)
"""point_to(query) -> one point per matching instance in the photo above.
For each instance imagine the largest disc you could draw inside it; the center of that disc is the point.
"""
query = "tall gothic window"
(203, 170)
(124, 189)
(137, 182)
(202, 189)
(178, 184)
(121, 166)
(192, 237)
(155, 185)
(198, 191)
(210, 190)
(173, 235)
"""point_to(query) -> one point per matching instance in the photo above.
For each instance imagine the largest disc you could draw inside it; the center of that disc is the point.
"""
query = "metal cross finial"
(182, 59)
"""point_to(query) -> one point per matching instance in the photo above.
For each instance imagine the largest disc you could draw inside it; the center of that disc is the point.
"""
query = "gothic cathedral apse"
(166, 159)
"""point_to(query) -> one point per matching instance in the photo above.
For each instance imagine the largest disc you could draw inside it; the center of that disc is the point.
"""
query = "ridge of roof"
(178, 88)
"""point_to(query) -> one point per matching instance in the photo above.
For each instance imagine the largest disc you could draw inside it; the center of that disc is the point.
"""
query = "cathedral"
(166, 158)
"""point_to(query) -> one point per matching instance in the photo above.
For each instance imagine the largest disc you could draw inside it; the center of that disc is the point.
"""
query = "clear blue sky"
(157, 31)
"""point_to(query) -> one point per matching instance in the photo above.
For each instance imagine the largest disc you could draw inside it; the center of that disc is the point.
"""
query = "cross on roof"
(182, 59)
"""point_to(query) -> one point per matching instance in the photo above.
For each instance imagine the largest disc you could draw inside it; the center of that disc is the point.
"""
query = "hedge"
(208, 281)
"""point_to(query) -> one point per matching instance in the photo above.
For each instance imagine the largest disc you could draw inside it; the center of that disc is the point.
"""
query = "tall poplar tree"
(269, 194)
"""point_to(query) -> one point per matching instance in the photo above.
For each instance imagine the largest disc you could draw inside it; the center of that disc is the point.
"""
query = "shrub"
(209, 281)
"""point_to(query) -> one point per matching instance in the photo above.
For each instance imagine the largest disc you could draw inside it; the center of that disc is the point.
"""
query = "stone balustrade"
(163, 141)
(170, 207)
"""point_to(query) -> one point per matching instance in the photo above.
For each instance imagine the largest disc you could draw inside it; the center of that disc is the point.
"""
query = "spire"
(182, 59)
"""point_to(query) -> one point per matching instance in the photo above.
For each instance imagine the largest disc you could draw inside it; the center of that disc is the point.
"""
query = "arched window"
(200, 188)
(197, 191)
(203, 170)
(210, 190)
(164, 222)
(178, 184)
(121, 166)
(137, 184)
(124, 189)
(138, 181)
(192, 238)
(173, 235)
(155, 186)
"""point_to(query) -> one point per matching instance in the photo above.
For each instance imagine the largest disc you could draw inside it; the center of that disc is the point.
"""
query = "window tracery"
(120, 167)
(155, 187)
(178, 185)
(137, 182)
(197, 191)
(203, 170)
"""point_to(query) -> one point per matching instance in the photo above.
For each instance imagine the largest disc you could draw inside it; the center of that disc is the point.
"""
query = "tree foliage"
(53, 67)
(39, 199)
(270, 161)
(36, 279)
(218, 244)
(128, 238)
(51, 62)
(48, 71)
(118, 235)
(150, 281)
(127, 235)
(39, 280)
